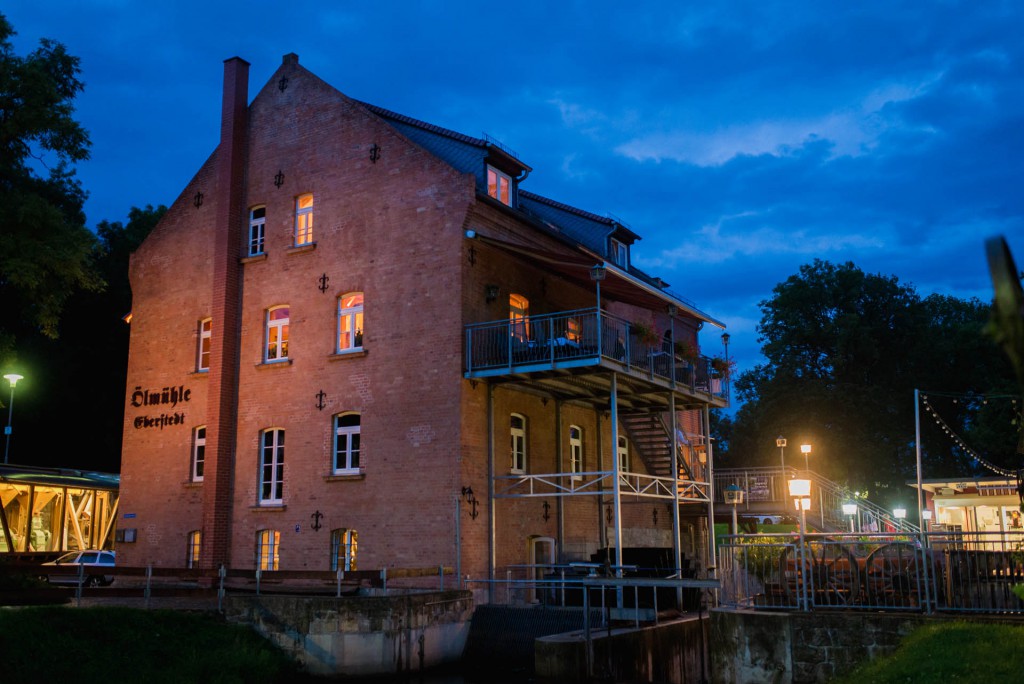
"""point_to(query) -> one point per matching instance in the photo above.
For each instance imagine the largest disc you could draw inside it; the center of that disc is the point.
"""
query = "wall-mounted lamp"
(490, 292)
(470, 497)
(547, 511)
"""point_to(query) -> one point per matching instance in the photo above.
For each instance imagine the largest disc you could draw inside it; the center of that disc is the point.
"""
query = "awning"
(620, 285)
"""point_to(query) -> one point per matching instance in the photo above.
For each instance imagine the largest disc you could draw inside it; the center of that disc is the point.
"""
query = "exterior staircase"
(649, 439)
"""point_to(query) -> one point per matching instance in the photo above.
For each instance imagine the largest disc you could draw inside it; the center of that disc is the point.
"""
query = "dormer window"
(499, 185)
(619, 253)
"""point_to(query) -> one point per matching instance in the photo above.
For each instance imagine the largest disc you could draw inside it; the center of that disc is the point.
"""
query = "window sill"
(270, 508)
(354, 354)
(205, 373)
(301, 249)
(345, 477)
(193, 484)
(283, 363)
(254, 258)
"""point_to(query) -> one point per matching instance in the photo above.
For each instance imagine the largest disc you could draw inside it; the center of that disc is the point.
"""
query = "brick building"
(357, 341)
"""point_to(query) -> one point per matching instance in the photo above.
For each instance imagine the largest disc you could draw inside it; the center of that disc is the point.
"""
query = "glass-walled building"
(47, 510)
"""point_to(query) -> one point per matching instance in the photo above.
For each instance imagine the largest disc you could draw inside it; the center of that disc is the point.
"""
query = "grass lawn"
(83, 645)
(950, 652)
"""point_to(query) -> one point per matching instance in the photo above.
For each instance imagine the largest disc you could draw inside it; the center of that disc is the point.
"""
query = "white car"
(96, 567)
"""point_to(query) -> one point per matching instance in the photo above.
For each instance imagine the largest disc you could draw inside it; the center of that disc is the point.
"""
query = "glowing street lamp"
(850, 509)
(805, 449)
(899, 514)
(800, 491)
(12, 378)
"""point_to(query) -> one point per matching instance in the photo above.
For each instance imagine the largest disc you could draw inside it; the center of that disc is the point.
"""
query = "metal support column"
(676, 542)
(616, 484)
(560, 456)
(712, 560)
(492, 547)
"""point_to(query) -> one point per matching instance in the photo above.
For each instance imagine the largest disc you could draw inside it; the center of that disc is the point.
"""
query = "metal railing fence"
(922, 572)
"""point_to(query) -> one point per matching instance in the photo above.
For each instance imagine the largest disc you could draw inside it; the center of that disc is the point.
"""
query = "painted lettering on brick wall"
(166, 396)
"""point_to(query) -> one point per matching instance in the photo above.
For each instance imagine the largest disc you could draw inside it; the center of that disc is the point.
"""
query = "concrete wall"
(359, 636)
(758, 646)
(669, 652)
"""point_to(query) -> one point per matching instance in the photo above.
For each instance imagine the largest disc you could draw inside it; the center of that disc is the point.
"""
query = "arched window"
(519, 317)
(575, 451)
(272, 467)
(195, 539)
(198, 453)
(623, 451)
(350, 322)
(277, 334)
(205, 338)
(267, 543)
(344, 544)
(303, 220)
(346, 443)
(518, 453)
(257, 224)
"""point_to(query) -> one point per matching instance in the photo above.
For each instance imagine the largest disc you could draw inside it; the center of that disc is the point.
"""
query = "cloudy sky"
(740, 139)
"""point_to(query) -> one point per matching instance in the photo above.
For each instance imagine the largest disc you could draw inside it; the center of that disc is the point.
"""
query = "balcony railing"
(579, 338)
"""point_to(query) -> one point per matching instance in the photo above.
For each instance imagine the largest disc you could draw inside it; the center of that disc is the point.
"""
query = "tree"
(845, 351)
(88, 363)
(44, 244)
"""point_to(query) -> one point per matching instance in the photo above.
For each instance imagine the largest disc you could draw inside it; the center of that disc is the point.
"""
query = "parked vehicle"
(96, 568)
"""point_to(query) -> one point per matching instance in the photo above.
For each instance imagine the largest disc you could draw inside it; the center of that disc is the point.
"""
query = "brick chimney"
(222, 401)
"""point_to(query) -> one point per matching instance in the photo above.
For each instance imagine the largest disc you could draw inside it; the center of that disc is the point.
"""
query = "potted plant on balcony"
(687, 351)
(722, 367)
(643, 332)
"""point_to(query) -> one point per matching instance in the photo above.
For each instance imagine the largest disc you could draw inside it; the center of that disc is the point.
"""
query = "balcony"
(585, 341)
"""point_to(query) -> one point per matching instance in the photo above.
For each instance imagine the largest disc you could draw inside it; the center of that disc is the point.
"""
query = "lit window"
(346, 443)
(350, 321)
(519, 317)
(267, 543)
(198, 453)
(573, 329)
(205, 337)
(343, 549)
(623, 452)
(518, 453)
(272, 467)
(257, 229)
(499, 186)
(304, 220)
(277, 334)
(192, 554)
(619, 253)
(575, 452)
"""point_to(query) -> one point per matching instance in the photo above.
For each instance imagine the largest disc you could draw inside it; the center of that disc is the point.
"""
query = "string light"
(959, 440)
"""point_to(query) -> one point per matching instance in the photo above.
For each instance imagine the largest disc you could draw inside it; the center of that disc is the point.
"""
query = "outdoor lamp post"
(850, 509)
(806, 450)
(12, 378)
(800, 490)
(780, 442)
(734, 497)
(899, 514)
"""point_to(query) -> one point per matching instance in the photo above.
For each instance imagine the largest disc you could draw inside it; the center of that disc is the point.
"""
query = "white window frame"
(350, 323)
(268, 547)
(576, 452)
(198, 466)
(346, 458)
(344, 545)
(517, 451)
(257, 230)
(618, 252)
(271, 467)
(205, 342)
(275, 348)
(304, 220)
(499, 185)
(195, 539)
(623, 453)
